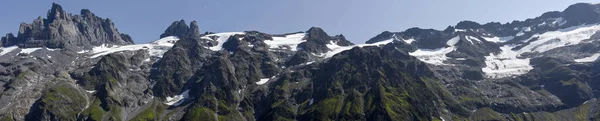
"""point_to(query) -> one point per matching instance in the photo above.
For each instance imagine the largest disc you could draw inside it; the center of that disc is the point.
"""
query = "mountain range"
(75, 67)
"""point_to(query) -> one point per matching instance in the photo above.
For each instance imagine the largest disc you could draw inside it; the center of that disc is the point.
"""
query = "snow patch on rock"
(178, 99)
(5, 50)
(222, 38)
(433, 56)
(156, 48)
(559, 38)
(498, 39)
(471, 39)
(29, 50)
(508, 63)
(290, 41)
(263, 81)
(505, 64)
(90, 91)
(588, 59)
(436, 56)
(335, 49)
(409, 41)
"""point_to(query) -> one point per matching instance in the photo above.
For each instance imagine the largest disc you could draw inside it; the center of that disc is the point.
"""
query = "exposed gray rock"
(61, 29)
(317, 39)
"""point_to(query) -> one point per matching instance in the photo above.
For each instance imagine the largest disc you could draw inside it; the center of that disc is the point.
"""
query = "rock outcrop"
(60, 29)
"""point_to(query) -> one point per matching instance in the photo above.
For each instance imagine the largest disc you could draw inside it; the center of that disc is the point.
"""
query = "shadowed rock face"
(317, 41)
(582, 13)
(178, 65)
(60, 29)
(182, 30)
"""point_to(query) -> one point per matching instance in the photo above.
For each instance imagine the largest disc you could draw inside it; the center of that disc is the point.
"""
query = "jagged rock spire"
(57, 12)
(61, 29)
(181, 29)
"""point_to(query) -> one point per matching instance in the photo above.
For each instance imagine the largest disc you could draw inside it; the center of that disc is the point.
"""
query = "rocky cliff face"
(60, 29)
(79, 67)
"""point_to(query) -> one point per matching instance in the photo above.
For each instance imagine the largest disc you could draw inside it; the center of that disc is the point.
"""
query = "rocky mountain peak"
(61, 29)
(6, 39)
(86, 13)
(316, 34)
(317, 41)
(182, 30)
(194, 30)
(57, 12)
(380, 37)
(582, 13)
(468, 25)
(551, 14)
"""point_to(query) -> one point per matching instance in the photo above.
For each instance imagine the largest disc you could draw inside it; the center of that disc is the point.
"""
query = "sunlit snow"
(498, 39)
(471, 39)
(291, 41)
(156, 48)
(409, 41)
(588, 59)
(460, 30)
(29, 50)
(453, 41)
(5, 50)
(560, 38)
(436, 56)
(433, 56)
(505, 64)
(263, 81)
(308, 63)
(508, 64)
(222, 38)
(178, 99)
(335, 49)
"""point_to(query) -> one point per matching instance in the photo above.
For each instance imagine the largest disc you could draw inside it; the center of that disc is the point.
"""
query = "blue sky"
(358, 20)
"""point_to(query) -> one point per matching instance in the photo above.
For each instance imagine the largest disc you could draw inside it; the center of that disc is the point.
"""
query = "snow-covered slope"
(156, 48)
(436, 56)
(509, 62)
(505, 64)
(559, 38)
(18, 50)
(288, 42)
(5, 50)
(178, 99)
(335, 49)
(221, 38)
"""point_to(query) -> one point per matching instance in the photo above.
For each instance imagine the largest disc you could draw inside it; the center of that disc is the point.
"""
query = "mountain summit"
(60, 29)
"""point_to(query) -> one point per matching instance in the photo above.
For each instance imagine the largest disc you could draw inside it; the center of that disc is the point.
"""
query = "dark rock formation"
(178, 65)
(582, 13)
(182, 30)
(317, 40)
